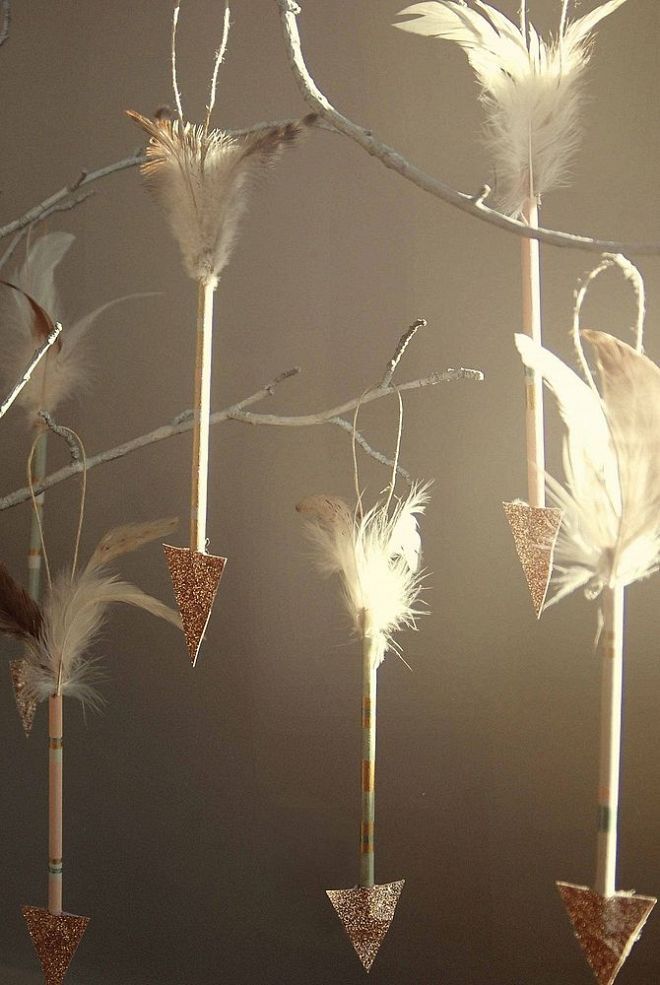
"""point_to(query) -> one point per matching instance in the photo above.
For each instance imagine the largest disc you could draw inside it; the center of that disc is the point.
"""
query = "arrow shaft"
(55, 804)
(531, 325)
(202, 409)
(34, 560)
(368, 813)
(610, 739)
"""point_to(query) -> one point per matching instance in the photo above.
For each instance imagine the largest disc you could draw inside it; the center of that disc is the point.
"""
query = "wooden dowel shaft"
(531, 314)
(55, 804)
(610, 740)
(202, 409)
(368, 813)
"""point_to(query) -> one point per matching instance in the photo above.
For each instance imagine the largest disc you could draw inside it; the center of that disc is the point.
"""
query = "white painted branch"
(25, 378)
(471, 204)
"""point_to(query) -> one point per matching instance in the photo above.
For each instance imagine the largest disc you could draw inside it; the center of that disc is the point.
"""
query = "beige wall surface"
(207, 811)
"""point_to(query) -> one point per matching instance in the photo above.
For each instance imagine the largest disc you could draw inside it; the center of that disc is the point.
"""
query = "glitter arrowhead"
(366, 913)
(605, 926)
(195, 579)
(55, 939)
(27, 707)
(535, 530)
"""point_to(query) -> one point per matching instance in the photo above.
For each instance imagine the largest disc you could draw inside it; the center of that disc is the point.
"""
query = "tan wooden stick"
(531, 313)
(202, 411)
(610, 740)
(55, 804)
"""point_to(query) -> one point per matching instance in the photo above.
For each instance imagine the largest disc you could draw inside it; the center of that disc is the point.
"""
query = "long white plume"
(59, 635)
(377, 558)
(67, 367)
(610, 532)
(531, 89)
(200, 178)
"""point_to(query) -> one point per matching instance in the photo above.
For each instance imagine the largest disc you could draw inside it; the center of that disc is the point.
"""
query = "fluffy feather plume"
(200, 179)
(58, 636)
(531, 89)
(66, 367)
(610, 533)
(377, 558)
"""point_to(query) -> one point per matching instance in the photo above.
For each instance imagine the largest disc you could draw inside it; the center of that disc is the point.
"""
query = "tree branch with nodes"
(238, 412)
(474, 205)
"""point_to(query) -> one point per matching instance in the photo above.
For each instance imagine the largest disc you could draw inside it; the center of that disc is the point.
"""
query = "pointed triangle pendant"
(27, 707)
(605, 926)
(366, 913)
(55, 939)
(535, 530)
(195, 579)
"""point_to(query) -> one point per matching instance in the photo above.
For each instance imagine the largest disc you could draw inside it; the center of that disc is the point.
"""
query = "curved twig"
(472, 204)
(236, 412)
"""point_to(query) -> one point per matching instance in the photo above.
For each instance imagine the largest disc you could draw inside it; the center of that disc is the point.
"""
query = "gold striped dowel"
(369, 680)
(55, 804)
(611, 645)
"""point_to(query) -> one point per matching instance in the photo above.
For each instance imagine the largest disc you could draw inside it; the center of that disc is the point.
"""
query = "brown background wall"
(207, 811)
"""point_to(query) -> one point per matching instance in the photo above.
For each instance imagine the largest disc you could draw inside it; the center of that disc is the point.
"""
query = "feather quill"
(66, 368)
(610, 533)
(377, 558)
(200, 179)
(532, 90)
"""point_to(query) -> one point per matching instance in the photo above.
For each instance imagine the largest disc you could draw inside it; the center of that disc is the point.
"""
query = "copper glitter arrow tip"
(366, 913)
(55, 939)
(605, 926)
(535, 530)
(26, 706)
(195, 579)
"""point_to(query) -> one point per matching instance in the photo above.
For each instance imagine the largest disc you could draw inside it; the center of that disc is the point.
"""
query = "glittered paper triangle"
(55, 939)
(605, 926)
(27, 707)
(535, 530)
(366, 913)
(195, 579)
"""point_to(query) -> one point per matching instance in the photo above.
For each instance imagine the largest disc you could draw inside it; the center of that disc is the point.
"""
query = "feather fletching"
(531, 89)
(66, 367)
(610, 533)
(200, 178)
(59, 635)
(377, 559)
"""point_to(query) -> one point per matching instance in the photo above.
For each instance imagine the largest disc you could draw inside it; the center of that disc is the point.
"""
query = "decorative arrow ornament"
(377, 558)
(200, 178)
(610, 538)
(532, 92)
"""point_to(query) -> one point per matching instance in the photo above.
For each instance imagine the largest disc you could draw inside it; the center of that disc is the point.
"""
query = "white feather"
(200, 179)
(532, 92)
(610, 533)
(75, 611)
(377, 559)
(66, 368)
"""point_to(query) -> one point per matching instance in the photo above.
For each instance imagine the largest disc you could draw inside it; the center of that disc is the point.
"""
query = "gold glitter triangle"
(535, 530)
(605, 926)
(195, 579)
(366, 913)
(27, 707)
(55, 939)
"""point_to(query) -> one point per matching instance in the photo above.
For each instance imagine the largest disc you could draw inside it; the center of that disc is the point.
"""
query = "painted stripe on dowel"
(366, 712)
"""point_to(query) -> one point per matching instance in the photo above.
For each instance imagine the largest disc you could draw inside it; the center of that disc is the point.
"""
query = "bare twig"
(404, 342)
(236, 413)
(34, 362)
(6, 19)
(65, 198)
(473, 205)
